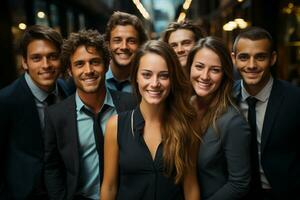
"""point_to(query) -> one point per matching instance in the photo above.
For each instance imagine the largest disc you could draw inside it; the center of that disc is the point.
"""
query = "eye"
(54, 56)
(78, 64)
(146, 75)
(173, 45)
(164, 75)
(216, 70)
(36, 58)
(243, 57)
(116, 40)
(96, 62)
(261, 57)
(199, 66)
(187, 42)
(132, 41)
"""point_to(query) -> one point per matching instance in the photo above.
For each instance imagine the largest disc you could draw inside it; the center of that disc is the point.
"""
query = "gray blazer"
(224, 158)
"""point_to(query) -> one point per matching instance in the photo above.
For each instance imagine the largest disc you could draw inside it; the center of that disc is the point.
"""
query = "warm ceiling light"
(22, 26)
(41, 14)
(181, 17)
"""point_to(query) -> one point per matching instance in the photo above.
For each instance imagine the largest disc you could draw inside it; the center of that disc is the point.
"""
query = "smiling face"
(42, 63)
(253, 59)
(182, 41)
(123, 44)
(153, 79)
(206, 73)
(88, 70)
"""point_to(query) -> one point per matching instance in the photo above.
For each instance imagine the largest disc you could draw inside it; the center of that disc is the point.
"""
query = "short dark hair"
(123, 19)
(187, 25)
(254, 33)
(87, 38)
(39, 32)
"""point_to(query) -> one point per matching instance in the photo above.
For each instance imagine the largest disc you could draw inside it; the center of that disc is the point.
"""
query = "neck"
(152, 112)
(255, 89)
(93, 100)
(121, 73)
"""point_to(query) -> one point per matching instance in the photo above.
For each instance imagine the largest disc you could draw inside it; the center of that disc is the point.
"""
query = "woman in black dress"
(150, 151)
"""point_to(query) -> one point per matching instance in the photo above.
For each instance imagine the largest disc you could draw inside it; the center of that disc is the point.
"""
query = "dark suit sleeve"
(54, 167)
(4, 132)
(236, 144)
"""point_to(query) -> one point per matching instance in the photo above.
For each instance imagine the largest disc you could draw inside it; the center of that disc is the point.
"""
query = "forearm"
(108, 192)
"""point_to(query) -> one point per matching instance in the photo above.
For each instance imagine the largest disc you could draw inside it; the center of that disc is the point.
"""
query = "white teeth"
(89, 80)
(154, 92)
(203, 85)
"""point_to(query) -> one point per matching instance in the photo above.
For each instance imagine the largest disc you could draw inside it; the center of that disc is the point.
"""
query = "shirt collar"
(37, 92)
(263, 95)
(108, 101)
(109, 75)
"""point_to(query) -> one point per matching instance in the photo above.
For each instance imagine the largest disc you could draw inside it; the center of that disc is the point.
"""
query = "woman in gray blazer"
(223, 157)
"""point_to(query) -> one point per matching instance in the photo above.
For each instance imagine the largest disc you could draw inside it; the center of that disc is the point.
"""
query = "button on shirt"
(89, 180)
(40, 97)
(261, 106)
(111, 81)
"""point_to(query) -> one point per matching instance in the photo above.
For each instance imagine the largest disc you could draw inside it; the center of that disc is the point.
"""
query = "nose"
(252, 63)
(124, 44)
(45, 62)
(88, 68)
(205, 74)
(155, 82)
(179, 49)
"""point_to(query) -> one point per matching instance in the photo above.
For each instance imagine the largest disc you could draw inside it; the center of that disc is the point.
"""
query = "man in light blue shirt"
(74, 128)
(124, 34)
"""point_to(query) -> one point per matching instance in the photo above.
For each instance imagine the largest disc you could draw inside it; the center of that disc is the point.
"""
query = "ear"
(273, 58)
(107, 44)
(24, 64)
(69, 71)
(233, 57)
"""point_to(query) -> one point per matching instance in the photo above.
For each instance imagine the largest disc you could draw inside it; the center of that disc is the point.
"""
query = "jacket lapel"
(71, 132)
(275, 100)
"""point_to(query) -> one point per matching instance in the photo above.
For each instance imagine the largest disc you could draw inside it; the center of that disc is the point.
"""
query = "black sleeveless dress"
(141, 177)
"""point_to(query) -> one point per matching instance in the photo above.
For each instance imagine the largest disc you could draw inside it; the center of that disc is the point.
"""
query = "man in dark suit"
(73, 144)
(275, 120)
(22, 107)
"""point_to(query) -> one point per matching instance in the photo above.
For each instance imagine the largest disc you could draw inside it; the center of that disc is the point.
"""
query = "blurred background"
(223, 18)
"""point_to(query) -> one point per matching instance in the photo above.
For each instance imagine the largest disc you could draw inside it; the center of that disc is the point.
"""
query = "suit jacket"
(280, 141)
(224, 158)
(62, 146)
(21, 148)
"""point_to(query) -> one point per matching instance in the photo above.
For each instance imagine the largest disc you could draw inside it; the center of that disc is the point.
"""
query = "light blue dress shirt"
(110, 82)
(89, 180)
(40, 97)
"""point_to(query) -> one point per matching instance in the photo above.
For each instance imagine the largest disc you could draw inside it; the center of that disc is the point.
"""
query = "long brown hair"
(223, 95)
(179, 137)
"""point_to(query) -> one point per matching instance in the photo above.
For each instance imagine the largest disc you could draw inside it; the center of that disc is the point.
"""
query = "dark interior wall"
(7, 67)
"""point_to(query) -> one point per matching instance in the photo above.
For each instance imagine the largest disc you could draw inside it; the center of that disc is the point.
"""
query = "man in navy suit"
(73, 148)
(276, 111)
(22, 107)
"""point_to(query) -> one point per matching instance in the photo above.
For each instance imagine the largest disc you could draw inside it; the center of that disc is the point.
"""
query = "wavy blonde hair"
(179, 137)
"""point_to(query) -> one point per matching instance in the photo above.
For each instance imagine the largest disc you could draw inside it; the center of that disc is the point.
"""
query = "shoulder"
(123, 101)
(63, 106)
(12, 89)
(232, 122)
(286, 87)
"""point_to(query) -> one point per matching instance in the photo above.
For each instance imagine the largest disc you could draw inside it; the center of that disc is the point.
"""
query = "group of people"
(148, 119)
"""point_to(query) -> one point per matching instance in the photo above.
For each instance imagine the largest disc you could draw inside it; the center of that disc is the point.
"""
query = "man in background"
(124, 34)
